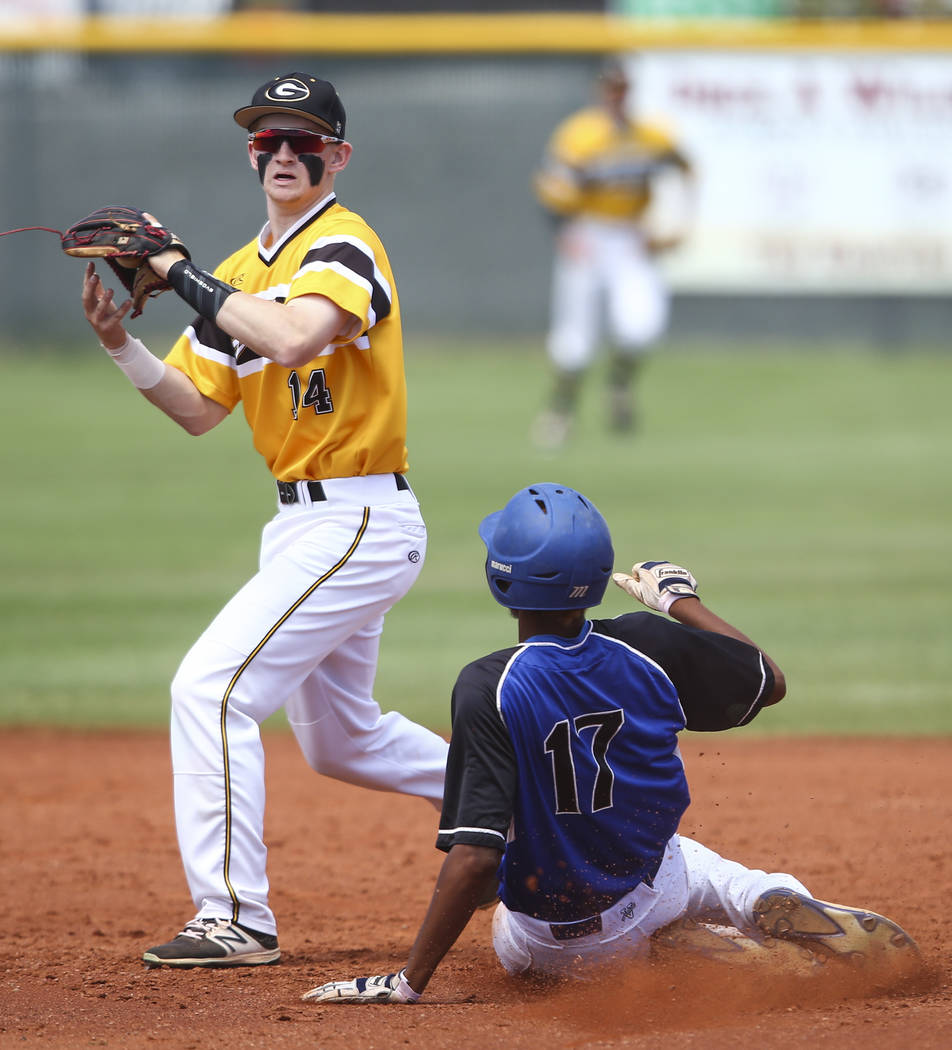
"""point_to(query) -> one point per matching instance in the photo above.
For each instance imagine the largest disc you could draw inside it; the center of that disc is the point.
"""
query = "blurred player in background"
(620, 190)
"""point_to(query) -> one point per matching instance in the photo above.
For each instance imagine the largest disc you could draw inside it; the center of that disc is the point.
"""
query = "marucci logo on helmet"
(501, 566)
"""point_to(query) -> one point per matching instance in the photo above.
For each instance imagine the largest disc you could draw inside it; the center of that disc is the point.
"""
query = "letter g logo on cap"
(287, 91)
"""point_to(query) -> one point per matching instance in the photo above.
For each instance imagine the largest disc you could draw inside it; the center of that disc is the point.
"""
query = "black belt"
(288, 491)
(569, 931)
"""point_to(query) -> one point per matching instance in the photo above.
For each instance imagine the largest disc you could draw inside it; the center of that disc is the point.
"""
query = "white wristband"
(404, 990)
(142, 367)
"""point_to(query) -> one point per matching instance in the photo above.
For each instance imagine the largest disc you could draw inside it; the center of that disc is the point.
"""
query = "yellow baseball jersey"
(595, 166)
(344, 412)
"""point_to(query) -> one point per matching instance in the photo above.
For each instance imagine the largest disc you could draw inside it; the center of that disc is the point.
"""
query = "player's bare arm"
(459, 891)
(170, 390)
(461, 888)
(290, 334)
(178, 397)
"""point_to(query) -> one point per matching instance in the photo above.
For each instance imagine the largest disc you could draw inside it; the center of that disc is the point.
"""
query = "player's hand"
(391, 988)
(657, 584)
(103, 314)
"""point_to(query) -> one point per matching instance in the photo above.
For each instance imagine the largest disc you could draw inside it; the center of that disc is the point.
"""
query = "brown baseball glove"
(126, 238)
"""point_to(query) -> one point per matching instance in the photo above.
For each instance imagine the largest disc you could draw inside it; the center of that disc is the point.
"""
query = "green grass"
(806, 488)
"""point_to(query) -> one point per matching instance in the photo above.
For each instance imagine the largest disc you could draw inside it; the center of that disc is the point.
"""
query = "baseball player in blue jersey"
(565, 786)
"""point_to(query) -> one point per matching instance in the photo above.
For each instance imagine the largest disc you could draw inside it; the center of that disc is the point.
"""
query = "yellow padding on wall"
(440, 34)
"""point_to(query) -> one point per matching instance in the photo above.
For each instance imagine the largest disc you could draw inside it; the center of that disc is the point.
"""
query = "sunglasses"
(269, 140)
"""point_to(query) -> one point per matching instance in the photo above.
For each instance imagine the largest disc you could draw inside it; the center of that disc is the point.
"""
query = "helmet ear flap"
(548, 548)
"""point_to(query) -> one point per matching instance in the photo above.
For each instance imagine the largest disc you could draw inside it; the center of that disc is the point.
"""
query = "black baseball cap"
(299, 93)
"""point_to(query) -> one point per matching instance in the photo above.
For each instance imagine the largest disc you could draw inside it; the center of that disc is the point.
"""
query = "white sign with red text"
(815, 173)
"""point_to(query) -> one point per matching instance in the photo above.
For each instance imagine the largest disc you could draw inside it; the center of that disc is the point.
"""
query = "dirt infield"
(91, 877)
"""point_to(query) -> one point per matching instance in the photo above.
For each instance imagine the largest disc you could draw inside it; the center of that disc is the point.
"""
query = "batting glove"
(392, 988)
(657, 584)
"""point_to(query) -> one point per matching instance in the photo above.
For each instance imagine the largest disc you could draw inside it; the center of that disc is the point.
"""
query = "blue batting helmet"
(548, 548)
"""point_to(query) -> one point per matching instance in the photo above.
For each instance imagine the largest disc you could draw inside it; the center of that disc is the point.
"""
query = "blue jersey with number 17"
(601, 786)
(564, 754)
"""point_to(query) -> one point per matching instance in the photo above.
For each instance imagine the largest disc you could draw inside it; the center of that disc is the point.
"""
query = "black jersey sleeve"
(481, 766)
(209, 334)
(721, 681)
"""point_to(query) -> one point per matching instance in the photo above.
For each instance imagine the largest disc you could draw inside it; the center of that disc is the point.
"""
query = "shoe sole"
(264, 958)
(847, 933)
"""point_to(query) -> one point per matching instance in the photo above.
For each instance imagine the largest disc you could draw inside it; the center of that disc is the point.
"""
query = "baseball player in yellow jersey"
(598, 179)
(302, 326)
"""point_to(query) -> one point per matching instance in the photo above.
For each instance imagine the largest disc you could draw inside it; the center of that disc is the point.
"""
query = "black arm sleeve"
(721, 682)
(203, 291)
(481, 766)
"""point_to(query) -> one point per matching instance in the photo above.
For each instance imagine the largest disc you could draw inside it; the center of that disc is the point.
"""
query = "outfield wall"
(446, 139)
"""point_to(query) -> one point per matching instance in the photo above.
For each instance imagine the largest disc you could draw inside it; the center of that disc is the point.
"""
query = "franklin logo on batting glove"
(657, 584)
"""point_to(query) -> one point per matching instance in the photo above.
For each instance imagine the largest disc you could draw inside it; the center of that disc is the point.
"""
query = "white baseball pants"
(693, 882)
(302, 634)
(602, 271)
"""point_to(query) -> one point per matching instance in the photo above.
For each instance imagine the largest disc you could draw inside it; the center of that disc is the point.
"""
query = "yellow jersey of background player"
(344, 412)
(601, 163)
(600, 179)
